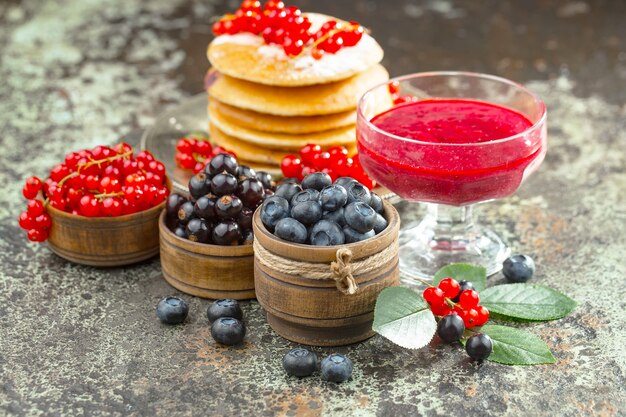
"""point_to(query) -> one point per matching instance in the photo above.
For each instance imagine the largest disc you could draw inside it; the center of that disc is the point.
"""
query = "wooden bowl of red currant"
(206, 236)
(100, 207)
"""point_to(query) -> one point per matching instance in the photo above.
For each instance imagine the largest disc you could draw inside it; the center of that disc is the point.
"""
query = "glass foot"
(448, 235)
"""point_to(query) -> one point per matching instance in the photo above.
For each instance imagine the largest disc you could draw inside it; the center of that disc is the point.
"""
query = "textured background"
(82, 341)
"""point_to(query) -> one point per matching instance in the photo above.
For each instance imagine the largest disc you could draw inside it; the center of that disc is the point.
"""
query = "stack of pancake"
(264, 105)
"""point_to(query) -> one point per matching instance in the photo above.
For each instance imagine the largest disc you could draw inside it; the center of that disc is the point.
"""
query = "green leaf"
(477, 275)
(526, 302)
(402, 316)
(513, 346)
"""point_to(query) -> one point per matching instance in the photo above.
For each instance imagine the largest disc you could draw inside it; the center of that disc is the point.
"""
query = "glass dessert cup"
(452, 177)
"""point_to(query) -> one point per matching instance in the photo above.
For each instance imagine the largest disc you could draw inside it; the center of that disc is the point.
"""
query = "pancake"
(281, 124)
(247, 57)
(315, 100)
(253, 153)
(341, 136)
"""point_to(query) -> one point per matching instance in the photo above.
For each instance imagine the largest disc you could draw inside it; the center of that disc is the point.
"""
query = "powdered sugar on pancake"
(347, 60)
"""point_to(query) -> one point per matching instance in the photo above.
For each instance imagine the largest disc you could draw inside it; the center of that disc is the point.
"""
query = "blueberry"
(274, 208)
(307, 213)
(479, 346)
(172, 310)
(317, 181)
(198, 230)
(377, 203)
(336, 368)
(450, 328)
(353, 236)
(186, 213)
(291, 230)
(464, 285)
(380, 223)
(345, 181)
(228, 331)
(335, 216)
(300, 362)
(326, 233)
(305, 196)
(224, 308)
(287, 190)
(358, 192)
(199, 185)
(180, 232)
(333, 197)
(518, 268)
(360, 216)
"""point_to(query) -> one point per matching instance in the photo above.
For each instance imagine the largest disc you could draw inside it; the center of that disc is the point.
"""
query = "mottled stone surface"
(82, 341)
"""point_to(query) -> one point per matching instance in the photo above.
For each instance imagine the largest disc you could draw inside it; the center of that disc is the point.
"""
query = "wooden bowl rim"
(201, 248)
(56, 213)
(327, 253)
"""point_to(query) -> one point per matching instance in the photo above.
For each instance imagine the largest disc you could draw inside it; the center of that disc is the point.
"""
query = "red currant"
(112, 207)
(394, 88)
(59, 172)
(469, 317)
(35, 208)
(32, 187)
(450, 287)
(321, 160)
(122, 148)
(469, 299)
(483, 315)
(26, 221)
(291, 166)
(89, 206)
(292, 47)
(43, 222)
(433, 296)
(317, 54)
(274, 5)
(440, 309)
(308, 153)
(36, 235)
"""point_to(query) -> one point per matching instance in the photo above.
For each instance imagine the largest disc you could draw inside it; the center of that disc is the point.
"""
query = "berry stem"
(105, 195)
(324, 37)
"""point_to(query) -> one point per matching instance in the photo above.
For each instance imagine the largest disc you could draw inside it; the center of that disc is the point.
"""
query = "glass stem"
(452, 226)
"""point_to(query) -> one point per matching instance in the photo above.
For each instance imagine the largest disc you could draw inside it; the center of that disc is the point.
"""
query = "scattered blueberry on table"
(224, 308)
(172, 310)
(336, 368)
(518, 268)
(300, 362)
(228, 331)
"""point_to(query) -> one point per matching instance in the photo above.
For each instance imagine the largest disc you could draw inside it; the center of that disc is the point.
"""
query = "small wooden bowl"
(207, 271)
(105, 241)
(314, 312)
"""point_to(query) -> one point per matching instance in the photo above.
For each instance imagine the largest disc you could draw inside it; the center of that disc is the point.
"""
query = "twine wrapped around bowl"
(324, 296)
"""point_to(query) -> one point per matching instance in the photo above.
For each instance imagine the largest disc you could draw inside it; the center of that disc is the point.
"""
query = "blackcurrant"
(245, 219)
(199, 185)
(464, 285)
(228, 207)
(174, 201)
(224, 184)
(247, 238)
(205, 208)
(251, 192)
(186, 213)
(479, 346)
(226, 233)
(198, 230)
(244, 171)
(450, 328)
(180, 232)
(266, 179)
(223, 163)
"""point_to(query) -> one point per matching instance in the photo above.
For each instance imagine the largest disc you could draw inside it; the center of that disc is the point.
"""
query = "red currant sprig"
(193, 152)
(334, 161)
(441, 300)
(102, 182)
(285, 26)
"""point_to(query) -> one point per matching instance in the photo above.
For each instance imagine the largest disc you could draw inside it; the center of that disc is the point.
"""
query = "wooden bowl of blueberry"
(323, 253)
(206, 237)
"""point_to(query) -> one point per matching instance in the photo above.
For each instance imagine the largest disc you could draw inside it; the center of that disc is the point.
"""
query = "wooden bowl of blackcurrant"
(206, 236)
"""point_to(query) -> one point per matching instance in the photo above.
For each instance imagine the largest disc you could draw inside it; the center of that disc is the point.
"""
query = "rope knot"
(342, 272)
